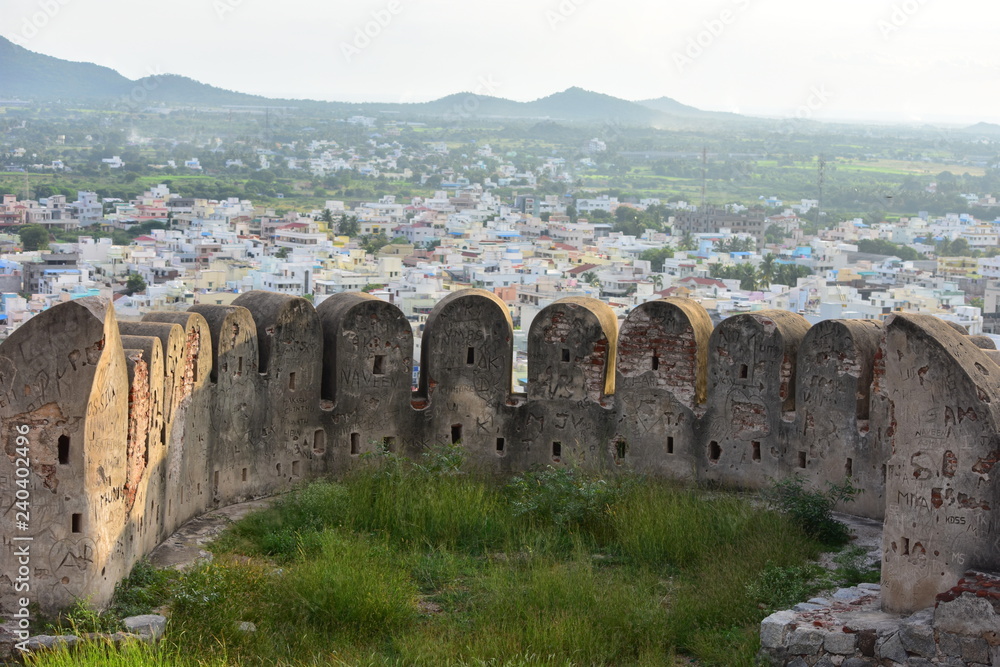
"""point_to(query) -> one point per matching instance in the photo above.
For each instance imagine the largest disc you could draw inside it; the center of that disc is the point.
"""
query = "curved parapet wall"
(64, 406)
(941, 501)
(751, 381)
(134, 427)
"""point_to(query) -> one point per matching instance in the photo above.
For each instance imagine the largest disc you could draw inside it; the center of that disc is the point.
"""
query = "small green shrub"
(80, 618)
(562, 497)
(145, 589)
(441, 459)
(777, 588)
(855, 568)
(811, 510)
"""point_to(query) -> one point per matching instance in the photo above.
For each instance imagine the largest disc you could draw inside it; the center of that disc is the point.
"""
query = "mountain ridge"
(38, 77)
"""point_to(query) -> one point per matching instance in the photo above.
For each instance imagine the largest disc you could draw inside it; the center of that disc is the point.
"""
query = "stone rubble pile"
(849, 629)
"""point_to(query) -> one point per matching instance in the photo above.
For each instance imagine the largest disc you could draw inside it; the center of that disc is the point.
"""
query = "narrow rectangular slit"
(63, 449)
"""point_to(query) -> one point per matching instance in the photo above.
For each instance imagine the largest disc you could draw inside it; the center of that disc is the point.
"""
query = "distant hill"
(31, 75)
(34, 76)
(984, 129)
(672, 107)
(580, 104)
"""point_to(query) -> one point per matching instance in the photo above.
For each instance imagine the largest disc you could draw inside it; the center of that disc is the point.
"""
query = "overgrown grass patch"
(422, 563)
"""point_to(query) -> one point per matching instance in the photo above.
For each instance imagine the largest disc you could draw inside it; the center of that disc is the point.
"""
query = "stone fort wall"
(117, 433)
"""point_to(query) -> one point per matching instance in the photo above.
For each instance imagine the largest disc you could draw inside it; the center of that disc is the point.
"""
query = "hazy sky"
(894, 60)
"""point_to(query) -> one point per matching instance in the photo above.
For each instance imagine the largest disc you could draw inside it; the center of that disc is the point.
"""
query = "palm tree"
(767, 269)
(687, 241)
(748, 277)
(657, 282)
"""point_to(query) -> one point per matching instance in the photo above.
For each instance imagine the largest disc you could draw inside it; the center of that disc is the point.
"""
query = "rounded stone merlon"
(768, 338)
(367, 347)
(572, 351)
(280, 317)
(231, 327)
(983, 342)
(198, 342)
(668, 340)
(468, 343)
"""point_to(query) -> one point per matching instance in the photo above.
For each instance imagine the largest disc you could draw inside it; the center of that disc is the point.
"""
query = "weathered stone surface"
(890, 648)
(661, 381)
(49, 642)
(805, 641)
(832, 405)
(775, 628)
(858, 662)
(151, 626)
(966, 615)
(917, 635)
(840, 643)
(975, 649)
(949, 644)
(942, 399)
(64, 393)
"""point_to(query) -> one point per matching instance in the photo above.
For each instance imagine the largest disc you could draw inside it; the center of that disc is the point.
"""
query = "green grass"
(422, 563)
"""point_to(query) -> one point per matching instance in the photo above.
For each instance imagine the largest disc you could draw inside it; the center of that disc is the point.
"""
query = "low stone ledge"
(849, 629)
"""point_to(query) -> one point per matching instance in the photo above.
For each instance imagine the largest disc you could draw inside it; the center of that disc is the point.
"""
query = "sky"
(905, 61)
